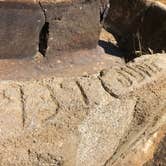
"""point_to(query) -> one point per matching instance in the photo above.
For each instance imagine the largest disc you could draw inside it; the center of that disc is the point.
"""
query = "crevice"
(55, 101)
(52, 95)
(44, 33)
(125, 77)
(104, 9)
(128, 72)
(136, 71)
(107, 89)
(85, 98)
(23, 106)
(144, 70)
(150, 68)
(5, 96)
(155, 66)
(155, 94)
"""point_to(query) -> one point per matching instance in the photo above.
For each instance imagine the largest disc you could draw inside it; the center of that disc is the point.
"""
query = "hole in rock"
(43, 39)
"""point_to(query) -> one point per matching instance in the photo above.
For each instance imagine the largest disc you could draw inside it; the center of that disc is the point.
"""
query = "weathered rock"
(159, 154)
(20, 26)
(147, 151)
(50, 27)
(78, 120)
(148, 100)
(71, 26)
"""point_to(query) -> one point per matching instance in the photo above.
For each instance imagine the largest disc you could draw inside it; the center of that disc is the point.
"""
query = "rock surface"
(19, 29)
(148, 151)
(68, 111)
(50, 27)
(71, 26)
(89, 120)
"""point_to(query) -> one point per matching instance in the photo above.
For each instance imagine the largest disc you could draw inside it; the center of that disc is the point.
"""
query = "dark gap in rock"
(104, 9)
(44, 33)
(43, 39)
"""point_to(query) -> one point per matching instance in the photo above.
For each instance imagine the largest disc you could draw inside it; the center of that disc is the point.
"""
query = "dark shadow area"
(114, 50)
(43, 39)
(110, 48)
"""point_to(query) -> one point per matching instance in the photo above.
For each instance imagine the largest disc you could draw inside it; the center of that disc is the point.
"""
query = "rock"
(20, 26)
(159, 154)
(148, 151)
(71, 26)
(78, 120)
(50, 27)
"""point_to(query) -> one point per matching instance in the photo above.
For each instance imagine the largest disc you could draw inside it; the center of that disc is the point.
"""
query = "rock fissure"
(44, 33)
(83, 93)
(107, 89)
(22, 105)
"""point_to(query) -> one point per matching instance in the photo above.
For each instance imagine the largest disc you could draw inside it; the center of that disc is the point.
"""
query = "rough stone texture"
(11, 115)
(82, 120)
(19, 29)
(138, 25)
(50, 27)
(72, 26)
(147, 151)
(159, 154)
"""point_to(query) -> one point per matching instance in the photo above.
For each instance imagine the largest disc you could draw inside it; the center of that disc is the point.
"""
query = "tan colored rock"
(81, 120)
(11, 111)
(144, 151)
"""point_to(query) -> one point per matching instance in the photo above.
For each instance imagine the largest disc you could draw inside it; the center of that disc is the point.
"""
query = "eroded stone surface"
(50, 27)
(78, 120)
(121, 80)
(20, 28)
(72, 26)
(11, 115)
(144, 151)
(159, 154)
